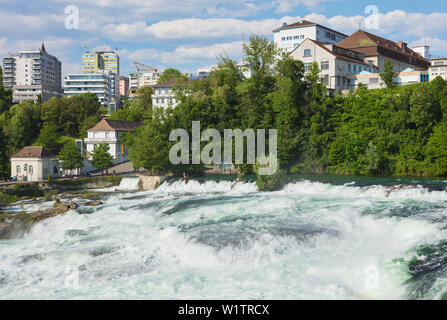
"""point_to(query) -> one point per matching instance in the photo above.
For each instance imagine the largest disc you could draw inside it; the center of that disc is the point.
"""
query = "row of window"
(292, 37)
(162, 101)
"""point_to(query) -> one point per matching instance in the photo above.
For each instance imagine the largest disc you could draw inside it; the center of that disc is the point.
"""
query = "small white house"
(109, 131)
(34, 164)
(164, 96)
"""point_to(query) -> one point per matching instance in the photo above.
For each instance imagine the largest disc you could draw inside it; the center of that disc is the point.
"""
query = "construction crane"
(144, 68)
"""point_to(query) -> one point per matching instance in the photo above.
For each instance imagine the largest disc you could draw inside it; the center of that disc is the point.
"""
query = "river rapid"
(356, 239)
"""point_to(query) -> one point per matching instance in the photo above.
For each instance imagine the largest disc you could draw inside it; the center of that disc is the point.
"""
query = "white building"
(98, 83)
(140, 79)
(109, 131)
(32, 73)
(374, 81)
(335, 63)
(290, 36)
(438, 68)
(164, 95)
(34, 164)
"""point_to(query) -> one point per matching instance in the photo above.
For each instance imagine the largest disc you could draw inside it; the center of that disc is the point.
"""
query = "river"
(335, 238)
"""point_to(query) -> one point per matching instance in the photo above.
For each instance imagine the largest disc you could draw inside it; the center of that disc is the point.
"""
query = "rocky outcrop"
(93, 203)
(150, 182)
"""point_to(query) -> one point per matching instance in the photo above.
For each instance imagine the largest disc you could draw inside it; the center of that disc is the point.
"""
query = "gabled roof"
(337, 55)
(33, 152)
(371, 45)
(115, 125)
(305, 23)
(167, 84)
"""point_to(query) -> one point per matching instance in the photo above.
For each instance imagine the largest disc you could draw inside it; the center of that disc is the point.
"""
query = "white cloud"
(186, 54)
(284, 6)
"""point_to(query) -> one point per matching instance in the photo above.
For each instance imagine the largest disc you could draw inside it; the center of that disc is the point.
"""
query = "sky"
(191, 34)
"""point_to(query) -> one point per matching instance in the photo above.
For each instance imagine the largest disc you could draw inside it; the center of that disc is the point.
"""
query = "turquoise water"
(320, 237)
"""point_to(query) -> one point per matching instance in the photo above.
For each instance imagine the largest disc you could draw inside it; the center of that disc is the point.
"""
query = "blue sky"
(189, 34)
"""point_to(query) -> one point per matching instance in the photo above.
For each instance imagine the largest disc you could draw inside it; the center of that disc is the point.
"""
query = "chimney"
(402, 44)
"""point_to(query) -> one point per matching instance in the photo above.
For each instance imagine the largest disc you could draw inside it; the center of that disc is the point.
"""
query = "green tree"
(102, 159)
(169, 74)
(387, 74)
(71, 157)
(4, 158)
(48, 137)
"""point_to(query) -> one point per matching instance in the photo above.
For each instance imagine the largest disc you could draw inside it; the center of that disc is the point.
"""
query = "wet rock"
(93, 203)
(73, 206)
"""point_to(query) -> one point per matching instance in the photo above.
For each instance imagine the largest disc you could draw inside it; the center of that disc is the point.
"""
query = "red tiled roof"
(33, 152)
(115, 125)
(339, 56)
(371, 45)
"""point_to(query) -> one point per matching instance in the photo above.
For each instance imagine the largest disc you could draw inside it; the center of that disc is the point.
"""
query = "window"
(283, 38)
(327, 34)
(307, 53)
(374, 80)
(326, 80)
(302, 36)
(18, 169)
(296, 37)
(424, 78)
(107, 134)
(55, 170)
(325, 65)
(307, 66)
(30, 170)
(25, 167)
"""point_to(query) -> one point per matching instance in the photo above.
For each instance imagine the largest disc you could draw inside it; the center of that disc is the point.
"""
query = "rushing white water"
(221, 240)
(126, 184)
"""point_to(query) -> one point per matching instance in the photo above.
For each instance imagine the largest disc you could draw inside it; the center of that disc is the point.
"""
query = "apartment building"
(102, 61)
(97, 83)
(377, 50)
(143, 78)
(164, 96)
(124, 86)
(438, 68)
(32, 73)
(335, 63)
(290, 36)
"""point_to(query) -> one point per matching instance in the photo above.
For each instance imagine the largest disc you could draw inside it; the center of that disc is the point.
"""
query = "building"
(290, 36)
(32, 73)
(143, 78)
(104, 61)
(377, 50)
(438, 68)
(34, 164)
(374, 81)
(94, 62)
(335, 63)
(109, 131)
(164, 95)
(97, 83)
(124, 86)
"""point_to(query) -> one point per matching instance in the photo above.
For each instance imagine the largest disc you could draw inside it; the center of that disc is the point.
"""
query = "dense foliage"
(389, 131)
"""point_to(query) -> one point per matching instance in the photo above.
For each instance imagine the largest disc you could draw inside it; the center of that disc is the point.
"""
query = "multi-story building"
(32, 73)
(290, 36)
(97, 83)
(104, 61)
(438, 68)
(124, 86)
(374, 81)
(109, 131)
(143, 78)
(164, 96)
(377, 50)
(335, 63)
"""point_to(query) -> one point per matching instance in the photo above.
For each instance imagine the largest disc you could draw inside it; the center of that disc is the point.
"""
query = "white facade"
(289, 37)
(335, 63)
(97, 83)
(374, 81)
(164, 97)
(117, 150)
(32, 73)
(140, 79)
(438, 68)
